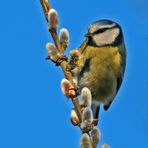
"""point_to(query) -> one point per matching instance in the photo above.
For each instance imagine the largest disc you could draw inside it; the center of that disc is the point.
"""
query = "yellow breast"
(103, 55)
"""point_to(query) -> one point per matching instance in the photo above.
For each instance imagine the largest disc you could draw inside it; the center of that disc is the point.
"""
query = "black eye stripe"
(101, 30)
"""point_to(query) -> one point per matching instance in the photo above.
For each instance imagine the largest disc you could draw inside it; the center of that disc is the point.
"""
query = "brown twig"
(46, 7)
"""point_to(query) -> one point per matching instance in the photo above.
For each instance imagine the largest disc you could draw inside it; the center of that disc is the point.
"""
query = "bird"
(99, 63)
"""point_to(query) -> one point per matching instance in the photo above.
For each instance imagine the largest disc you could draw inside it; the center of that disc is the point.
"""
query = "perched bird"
(99, 63)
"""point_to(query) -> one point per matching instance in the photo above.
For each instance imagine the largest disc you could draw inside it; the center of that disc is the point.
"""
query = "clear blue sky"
(33, 111)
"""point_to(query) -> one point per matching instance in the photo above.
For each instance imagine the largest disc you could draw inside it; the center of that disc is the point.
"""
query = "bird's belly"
(101, 81)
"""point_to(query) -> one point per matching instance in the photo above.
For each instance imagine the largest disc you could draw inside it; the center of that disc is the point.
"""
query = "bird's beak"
(88, 34)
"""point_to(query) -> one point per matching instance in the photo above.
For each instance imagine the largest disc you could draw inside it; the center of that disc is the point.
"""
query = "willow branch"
(68, 75)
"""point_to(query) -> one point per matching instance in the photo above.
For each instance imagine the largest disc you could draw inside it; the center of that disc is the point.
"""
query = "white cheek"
(106, 37)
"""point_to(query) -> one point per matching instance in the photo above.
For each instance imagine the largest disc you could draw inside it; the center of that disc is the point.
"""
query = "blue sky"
(33, 111)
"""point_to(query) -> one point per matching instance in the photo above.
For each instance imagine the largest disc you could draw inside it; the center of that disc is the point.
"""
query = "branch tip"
(46, 7)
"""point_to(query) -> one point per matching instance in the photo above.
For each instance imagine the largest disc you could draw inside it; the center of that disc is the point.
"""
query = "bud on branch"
(64, 37)
(52, 19)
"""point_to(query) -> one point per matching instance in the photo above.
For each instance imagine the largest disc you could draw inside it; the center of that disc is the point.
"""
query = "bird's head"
(104, 33)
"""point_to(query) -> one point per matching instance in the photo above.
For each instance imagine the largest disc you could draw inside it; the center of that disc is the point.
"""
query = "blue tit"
(99, 63)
